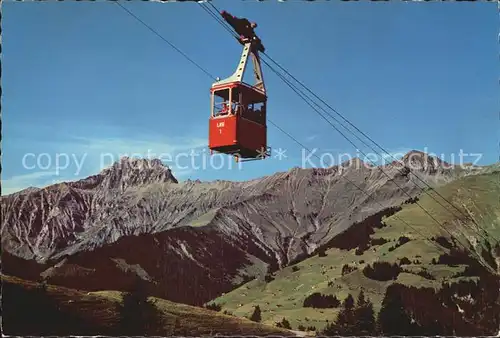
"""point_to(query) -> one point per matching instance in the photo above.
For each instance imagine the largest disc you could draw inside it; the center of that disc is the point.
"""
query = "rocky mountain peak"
(420, 161)
(132, 171)
(356, 163)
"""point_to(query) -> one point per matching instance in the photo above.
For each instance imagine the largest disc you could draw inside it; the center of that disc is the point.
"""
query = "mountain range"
(196, 242)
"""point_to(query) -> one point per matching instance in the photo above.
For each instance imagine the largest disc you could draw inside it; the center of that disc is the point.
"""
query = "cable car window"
(258, 107)
(221, 104)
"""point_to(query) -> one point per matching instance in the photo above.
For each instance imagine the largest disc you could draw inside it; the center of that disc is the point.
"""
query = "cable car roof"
(253, 93)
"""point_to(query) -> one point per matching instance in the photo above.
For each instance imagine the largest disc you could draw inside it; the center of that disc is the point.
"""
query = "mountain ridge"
(258, 226)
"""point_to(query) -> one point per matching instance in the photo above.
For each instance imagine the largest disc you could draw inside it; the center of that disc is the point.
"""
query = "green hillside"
(399, 236)
(61, 311)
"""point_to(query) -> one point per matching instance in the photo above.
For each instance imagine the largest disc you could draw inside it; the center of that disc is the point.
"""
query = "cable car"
(237, 124)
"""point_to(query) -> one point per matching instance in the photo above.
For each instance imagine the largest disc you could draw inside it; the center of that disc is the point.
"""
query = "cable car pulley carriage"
(237, 124)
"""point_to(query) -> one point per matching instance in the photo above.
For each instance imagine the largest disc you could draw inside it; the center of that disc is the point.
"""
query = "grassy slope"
(99, 312)
(284, 296)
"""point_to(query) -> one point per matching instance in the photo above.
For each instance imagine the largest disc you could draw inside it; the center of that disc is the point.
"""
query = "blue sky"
(84, 83)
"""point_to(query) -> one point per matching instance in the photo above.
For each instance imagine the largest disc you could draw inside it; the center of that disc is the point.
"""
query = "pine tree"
(284, 324)
(256, 315)
(137, 314)
(349, 302)
(361, 301)
(364, 316)
(392, 318)
(345, 322)
(42, 299)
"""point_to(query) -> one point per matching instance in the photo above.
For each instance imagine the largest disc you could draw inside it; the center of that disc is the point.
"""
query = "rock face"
(37, 223)
(191, 241)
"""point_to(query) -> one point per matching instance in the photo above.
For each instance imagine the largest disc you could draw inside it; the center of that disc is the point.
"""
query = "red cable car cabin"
(237, 124)
(238, 120)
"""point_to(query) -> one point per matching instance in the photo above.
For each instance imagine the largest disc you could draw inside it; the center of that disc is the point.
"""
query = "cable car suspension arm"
(251, 46)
